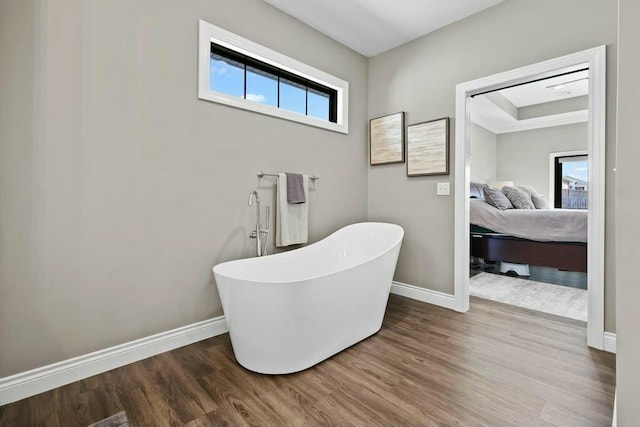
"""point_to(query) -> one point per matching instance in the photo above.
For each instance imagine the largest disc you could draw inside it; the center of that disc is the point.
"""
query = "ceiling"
(554, 101)
(548, 90)
(371, 27)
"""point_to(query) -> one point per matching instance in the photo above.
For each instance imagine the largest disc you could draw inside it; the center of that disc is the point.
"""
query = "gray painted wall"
(483, 155)
(419, 77)
(120, 190)
(627, 205)
(523, 157)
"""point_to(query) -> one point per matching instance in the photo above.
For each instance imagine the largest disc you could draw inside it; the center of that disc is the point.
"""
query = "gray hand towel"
(295, 188)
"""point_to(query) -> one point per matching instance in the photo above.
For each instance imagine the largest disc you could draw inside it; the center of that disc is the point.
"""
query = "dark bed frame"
(492, 246)
(570, 256)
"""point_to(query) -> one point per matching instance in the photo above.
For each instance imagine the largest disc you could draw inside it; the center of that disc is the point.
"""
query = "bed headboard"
(476, 190)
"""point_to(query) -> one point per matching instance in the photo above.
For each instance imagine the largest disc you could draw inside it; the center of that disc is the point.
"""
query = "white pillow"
(539, 202)
(537, 199)
(528, 189)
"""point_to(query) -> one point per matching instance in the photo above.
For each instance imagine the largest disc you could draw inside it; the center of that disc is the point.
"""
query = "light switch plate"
(442, 189)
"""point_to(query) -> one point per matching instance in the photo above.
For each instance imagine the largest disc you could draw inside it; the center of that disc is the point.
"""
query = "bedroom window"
(243, 74)
(571, 182)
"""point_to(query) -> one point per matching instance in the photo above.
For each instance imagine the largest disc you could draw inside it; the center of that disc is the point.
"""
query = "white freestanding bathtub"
(290, 311)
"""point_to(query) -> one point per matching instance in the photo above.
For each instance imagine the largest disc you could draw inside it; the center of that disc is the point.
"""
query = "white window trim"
(210, 33)
(552, 163)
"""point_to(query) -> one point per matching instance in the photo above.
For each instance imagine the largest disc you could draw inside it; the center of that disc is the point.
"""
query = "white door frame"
(596, 60)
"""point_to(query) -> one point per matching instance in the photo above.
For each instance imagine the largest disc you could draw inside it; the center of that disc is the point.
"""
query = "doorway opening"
(547, 252)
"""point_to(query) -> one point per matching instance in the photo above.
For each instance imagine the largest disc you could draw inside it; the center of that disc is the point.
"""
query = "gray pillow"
(496, 198)
(539, 202)
(475, 190)
(518, 198)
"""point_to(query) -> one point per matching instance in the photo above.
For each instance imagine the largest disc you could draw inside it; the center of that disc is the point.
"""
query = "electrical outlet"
(442, 189)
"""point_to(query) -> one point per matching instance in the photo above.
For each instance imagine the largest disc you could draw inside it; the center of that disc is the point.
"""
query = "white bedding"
(543, 225)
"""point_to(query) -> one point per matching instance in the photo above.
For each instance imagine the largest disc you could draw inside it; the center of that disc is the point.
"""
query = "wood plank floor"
(495, 365)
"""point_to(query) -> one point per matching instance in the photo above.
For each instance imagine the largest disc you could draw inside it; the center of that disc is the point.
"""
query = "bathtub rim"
(317, 276)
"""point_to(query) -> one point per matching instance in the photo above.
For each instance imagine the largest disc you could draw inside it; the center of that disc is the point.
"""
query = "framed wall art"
(428, 148)
(386, 139)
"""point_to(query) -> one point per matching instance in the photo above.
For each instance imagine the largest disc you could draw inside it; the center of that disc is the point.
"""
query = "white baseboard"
(425, 295)
(35, 381)
(614, 421)
(610, 342)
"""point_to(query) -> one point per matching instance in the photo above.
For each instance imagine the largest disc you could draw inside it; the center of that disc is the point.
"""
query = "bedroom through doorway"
(528, 216)
(529, 155)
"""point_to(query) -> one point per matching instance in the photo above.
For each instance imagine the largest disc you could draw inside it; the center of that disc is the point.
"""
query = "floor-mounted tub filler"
(290, 311)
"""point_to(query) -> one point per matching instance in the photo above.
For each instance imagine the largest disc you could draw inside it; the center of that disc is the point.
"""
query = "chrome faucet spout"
(254, 195)
(257, 233)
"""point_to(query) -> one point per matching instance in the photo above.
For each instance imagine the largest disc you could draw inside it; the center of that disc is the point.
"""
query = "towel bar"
(261, 174)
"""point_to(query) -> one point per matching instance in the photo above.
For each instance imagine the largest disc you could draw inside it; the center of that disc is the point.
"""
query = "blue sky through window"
(262, 87)
(577, 169)
(292, 96)
(228, 76)
(318, 104)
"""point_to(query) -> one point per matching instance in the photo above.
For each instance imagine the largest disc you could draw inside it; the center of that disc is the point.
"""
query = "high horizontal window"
(239, 75)
(243, 74)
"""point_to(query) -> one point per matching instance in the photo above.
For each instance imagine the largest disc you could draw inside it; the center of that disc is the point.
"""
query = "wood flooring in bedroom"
(495, 365)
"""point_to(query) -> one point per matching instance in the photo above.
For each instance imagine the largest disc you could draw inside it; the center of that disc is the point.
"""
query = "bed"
(555, 238)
